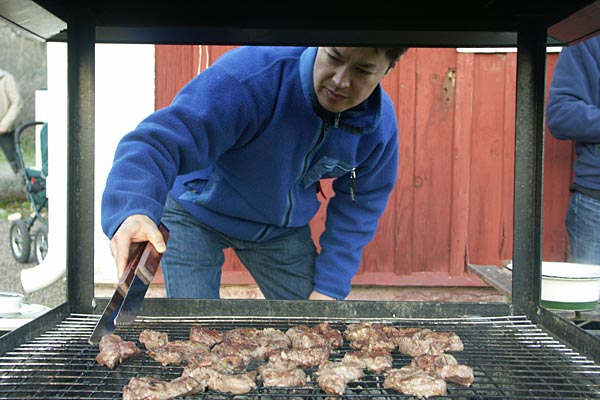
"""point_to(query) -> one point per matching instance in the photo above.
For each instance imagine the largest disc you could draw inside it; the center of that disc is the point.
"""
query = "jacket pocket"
(326, 167)
(199, 189)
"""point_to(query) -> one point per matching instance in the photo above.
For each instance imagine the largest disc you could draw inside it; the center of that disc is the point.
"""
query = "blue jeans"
(583, 226)
(283, 268)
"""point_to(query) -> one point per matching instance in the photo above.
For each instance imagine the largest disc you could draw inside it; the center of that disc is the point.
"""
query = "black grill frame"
(530, 33)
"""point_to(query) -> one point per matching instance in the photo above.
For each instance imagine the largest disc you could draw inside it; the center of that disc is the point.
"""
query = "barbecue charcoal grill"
(518, 350)
(511, 357)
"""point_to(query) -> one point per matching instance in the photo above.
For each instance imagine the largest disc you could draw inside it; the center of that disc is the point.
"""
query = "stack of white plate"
(14, 311)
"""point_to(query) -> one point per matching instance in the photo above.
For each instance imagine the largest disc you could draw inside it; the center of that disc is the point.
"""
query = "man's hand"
(136, 228)
(318, 296)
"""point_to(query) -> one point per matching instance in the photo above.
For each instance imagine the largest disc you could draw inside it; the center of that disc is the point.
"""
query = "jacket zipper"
(305, 166)
(352, 184)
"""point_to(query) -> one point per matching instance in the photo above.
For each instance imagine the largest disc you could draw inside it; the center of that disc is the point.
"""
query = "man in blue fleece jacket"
(235, 162)
(573, 113)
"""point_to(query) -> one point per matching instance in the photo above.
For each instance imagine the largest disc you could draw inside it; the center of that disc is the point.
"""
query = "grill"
(518, 350)
(510, 356)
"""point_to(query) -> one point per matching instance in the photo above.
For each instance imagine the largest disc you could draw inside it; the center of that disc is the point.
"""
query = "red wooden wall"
(453, 200)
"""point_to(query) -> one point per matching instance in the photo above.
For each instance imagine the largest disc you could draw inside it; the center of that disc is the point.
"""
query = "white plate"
(568, 270)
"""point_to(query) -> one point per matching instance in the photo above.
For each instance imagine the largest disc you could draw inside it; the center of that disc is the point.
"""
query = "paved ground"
(10, 269)
(10, 275)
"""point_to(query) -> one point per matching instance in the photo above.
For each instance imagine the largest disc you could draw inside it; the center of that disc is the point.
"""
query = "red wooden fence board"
(461, 164)
(174, 67)
(402, 197)
(505, 239)
(487, 161)
(433, 156)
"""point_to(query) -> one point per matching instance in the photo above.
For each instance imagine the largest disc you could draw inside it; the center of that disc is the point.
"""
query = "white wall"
(124, 96)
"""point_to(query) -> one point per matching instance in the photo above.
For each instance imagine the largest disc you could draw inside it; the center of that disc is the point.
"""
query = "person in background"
(11, 105)
(236, 161)
(573, 113)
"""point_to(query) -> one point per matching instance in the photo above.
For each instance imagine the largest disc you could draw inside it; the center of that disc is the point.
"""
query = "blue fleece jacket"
(243, 146)
(573, 111)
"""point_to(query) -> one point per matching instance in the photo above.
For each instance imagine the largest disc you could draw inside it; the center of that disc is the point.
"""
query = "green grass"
(11, 206)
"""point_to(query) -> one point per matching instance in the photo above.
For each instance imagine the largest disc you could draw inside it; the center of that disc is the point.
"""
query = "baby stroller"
(21, 237)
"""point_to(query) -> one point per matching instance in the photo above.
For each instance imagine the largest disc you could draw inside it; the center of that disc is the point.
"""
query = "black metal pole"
(80, 172)
(529, 168)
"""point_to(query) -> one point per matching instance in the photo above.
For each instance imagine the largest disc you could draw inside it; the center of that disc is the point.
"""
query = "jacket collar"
(362, 119)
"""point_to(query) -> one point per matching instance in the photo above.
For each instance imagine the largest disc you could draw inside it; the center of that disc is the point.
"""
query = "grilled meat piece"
(414, 381)
(242, 332)
(445, 366)
(278, 375)
(389, 330)
(252, 344)
(177, 352)
(273, 339)
(359, 331)
(149, 388)
(368, 336)
(332, 384)
(153, 339)
(214, 380)
(226, 364)
(375, 361)
(268, 337)
(301, 357)
(347, 370)
(236, 384)
(335, 337)
(247, 348)
(303, 337)
(415, 342)
(331, 336)
(445, 341)
(318, 335)
(333, 376)
(374, 344)
(279, 364)
(428, 362)
(114, 350)
(400, 333)
(461, 374)
(204, 335)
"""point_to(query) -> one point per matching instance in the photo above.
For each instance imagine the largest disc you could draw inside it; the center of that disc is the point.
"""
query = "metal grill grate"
(511, 358)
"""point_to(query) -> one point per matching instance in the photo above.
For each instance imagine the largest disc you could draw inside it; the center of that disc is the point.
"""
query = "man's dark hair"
(393, 54)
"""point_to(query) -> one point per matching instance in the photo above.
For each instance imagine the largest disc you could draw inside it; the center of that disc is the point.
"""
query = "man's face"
(344, 77)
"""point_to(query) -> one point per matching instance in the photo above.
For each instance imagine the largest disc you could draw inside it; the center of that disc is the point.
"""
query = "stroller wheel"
(40, 244)
(20, 242)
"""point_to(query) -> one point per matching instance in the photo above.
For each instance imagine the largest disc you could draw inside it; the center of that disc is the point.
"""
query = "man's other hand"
(318, 296)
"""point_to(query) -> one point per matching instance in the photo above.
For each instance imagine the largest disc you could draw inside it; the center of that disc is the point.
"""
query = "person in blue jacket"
(573, 113)
(235, 161)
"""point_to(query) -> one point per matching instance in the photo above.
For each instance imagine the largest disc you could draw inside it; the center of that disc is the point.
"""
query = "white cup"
(10, 302)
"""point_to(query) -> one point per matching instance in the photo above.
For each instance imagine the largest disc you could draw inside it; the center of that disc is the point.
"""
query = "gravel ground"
(10, 274)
